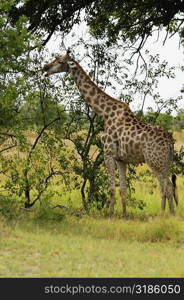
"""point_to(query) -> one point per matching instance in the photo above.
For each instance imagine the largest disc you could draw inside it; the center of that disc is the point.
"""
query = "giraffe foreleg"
(122, 176)
(111, 167)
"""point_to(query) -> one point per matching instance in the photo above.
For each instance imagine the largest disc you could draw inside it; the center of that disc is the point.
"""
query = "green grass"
(91, 247)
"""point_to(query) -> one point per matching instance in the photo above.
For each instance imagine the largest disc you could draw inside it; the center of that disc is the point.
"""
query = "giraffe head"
(58, 65)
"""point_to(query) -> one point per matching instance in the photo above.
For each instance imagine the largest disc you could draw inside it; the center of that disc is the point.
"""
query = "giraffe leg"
(167, 192)
(122, 176)
(175, 189)
(170, 194)
(111, 166)
(163, 196)
(163, 203)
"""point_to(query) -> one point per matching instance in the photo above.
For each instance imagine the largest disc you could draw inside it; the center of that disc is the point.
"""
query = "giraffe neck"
(101, 103)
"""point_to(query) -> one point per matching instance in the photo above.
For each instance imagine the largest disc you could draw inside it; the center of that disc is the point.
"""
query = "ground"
(89, 247)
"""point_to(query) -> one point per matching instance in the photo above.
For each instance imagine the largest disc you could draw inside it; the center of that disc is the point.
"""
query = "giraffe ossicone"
(126, 139)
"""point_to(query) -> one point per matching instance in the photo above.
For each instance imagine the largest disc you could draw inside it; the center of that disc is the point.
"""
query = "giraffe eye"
(61, 62)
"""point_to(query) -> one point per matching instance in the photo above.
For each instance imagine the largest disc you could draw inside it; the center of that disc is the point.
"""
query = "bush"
(8, 207)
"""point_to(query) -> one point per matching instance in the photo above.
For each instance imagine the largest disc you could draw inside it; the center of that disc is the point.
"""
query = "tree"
(162, 119)
(132, 20)
(165, 121)
(49, 16)
(25, 98)
(128, 19)
(179, 120)
(37, 140)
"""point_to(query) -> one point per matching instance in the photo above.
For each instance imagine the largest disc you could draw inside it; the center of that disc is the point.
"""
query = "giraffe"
(126, 139)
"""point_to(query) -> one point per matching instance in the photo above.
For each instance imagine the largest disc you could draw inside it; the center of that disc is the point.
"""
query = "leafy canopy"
(128, 19)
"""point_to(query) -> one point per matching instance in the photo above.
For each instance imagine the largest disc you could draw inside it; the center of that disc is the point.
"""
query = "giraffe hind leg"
(167, 193)
(111, 166)
(122, 176)
(175, 188)
(170, 195)
(163, 195)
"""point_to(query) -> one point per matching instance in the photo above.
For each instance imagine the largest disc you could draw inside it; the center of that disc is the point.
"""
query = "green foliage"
(31, 117)
(179, 120)
(165, 121)
(128, 19)
(161, 119)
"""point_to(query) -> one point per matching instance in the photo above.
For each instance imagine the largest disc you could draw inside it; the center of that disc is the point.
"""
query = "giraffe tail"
(175, 188)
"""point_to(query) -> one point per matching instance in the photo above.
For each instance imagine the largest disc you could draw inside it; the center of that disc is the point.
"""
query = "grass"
(91, 247)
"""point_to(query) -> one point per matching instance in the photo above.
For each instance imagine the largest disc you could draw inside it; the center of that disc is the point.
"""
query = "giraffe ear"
(68, 52)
